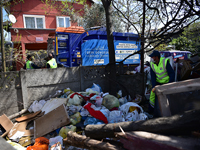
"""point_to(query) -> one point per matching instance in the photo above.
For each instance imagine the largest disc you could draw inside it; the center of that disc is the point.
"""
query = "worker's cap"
(155, 53)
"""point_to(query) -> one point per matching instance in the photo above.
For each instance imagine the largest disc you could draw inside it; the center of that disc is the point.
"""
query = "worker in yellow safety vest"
(51, 62)
(161, 73)
(29, 64)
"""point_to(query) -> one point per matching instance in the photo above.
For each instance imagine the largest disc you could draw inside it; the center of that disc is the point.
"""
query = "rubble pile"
(47, 123)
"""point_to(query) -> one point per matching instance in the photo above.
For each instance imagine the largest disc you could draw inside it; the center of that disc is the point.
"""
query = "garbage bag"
(41, 143)
(119, 94)
(92, 120)
(68, 91)
(55, 140)
(36, 106)
(125, 108)
(98, 100)
(76, 118)
(73, 109)
(75, 100)
(132, 116)
(95, 87)
(64, 130)
(56, 146)
(115, 116)
(110, 101)
(98, 114)
(84, 112)
(122, 100)
(132, 112)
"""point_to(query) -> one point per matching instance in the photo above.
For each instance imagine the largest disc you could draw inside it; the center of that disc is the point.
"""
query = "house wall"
(21, 35)
(37, 7)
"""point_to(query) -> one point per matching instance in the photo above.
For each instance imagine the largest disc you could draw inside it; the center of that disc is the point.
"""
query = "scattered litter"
(41, 143)
(49, 121)
(64, 130)
(16, 145)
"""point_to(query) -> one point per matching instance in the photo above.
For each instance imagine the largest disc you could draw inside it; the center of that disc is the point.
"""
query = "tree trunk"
(142, 51)
(84, 142)
(174, 125)
(112, 66)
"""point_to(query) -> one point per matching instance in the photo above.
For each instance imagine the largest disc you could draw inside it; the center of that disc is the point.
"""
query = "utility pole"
(2, 39)
(142, 50)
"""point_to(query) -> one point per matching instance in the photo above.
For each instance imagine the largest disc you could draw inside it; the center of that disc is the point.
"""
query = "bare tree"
(107, 7)
(157, 21)
(163, 19)
(95, 16)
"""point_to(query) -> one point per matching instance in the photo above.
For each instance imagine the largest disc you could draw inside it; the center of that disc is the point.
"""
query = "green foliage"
(182, 43)
(190, 40)
(192, 33)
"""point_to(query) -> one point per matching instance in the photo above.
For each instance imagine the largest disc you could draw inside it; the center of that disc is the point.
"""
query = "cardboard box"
(51, 121)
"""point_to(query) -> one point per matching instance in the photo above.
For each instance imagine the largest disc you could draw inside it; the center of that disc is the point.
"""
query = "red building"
(36, 20)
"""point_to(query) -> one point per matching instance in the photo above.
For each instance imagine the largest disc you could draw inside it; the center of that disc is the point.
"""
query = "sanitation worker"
(29, 64)
(51, 63)
(161, 73)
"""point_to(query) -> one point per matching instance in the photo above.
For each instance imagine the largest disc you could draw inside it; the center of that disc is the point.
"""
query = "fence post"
(24, 88)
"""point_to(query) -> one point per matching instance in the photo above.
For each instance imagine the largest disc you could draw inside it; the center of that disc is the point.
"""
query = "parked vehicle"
(176, 54)
(76, 47)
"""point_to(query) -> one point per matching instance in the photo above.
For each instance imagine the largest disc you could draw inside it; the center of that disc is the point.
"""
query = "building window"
(34, 21)
(63, 21)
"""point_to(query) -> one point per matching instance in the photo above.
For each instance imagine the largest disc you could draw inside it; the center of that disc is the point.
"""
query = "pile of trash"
(48, 122)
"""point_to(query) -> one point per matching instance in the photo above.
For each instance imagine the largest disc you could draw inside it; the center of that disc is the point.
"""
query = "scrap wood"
(51, 121)
(145, 140)
(85, 142)
(18, 113)
(29, 116)
(175, 125)
(21, 126)
(6, 123)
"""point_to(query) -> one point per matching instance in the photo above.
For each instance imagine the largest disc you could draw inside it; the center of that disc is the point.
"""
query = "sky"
(7, 35)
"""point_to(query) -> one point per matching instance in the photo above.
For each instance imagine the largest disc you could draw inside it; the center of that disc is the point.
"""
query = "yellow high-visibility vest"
(52, 63)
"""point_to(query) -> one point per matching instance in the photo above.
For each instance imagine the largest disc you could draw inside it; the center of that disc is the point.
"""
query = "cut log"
(145, 140)
(174, 125)
(77, 140)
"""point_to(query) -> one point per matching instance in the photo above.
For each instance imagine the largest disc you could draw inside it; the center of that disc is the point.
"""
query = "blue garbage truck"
(90, 48)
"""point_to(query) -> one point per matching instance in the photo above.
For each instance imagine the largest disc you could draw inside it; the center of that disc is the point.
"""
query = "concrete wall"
(10, 93)
(20, 89)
